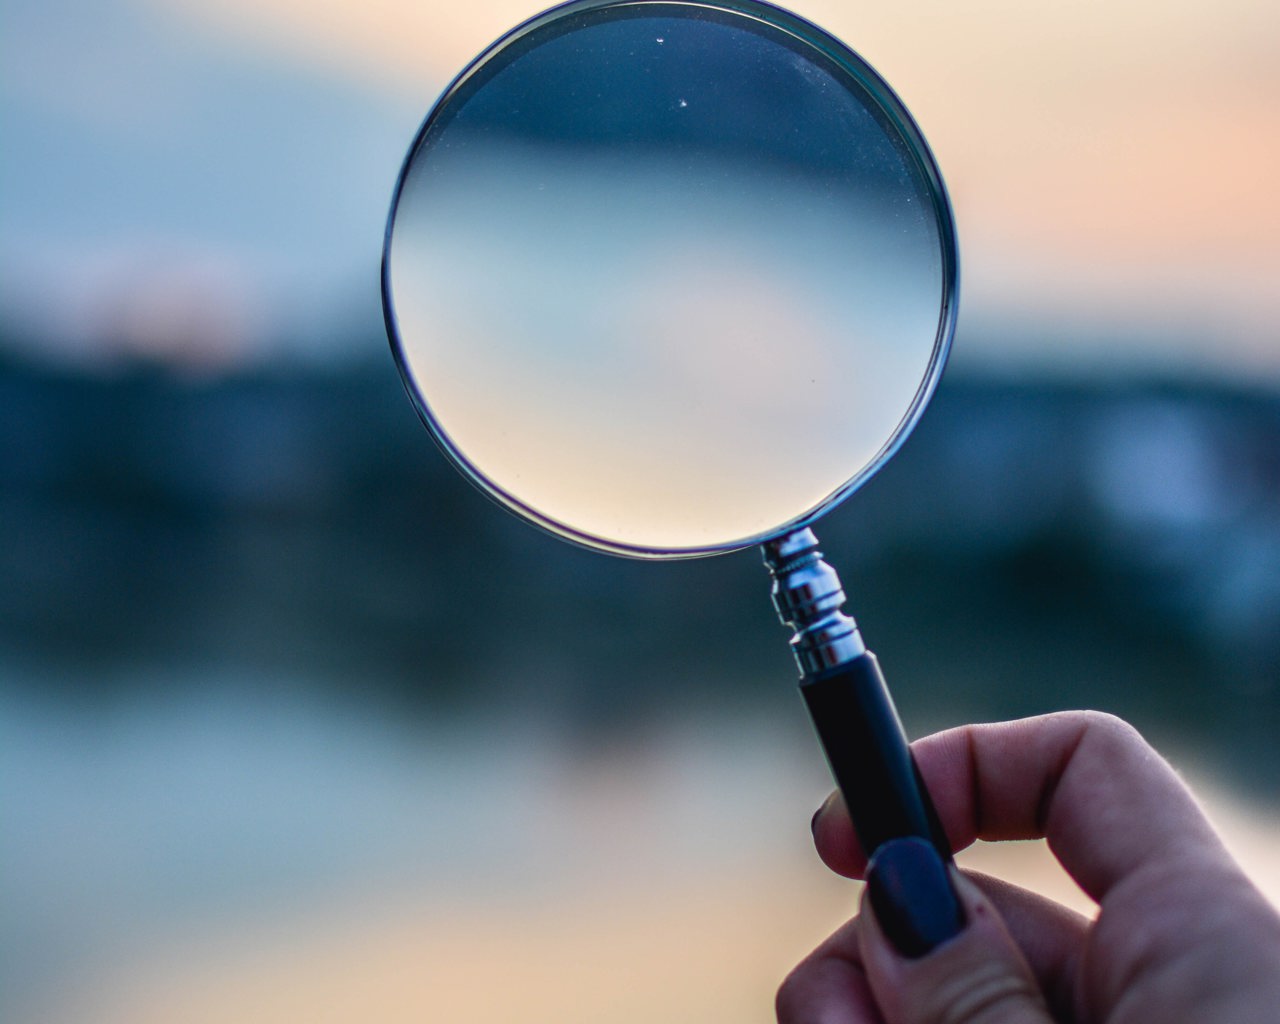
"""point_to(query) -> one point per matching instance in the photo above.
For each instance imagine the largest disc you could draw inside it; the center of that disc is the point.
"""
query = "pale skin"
(1181, 937)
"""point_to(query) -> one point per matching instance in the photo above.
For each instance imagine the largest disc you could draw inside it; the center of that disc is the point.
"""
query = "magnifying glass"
(672, 279)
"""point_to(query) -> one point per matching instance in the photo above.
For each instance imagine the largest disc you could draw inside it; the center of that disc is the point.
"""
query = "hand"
(1181, 937)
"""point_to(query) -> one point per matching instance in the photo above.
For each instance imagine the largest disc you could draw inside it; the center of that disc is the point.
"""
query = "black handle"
(869, 756)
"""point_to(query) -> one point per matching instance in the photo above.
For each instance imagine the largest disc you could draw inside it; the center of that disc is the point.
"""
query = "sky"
(218, 171)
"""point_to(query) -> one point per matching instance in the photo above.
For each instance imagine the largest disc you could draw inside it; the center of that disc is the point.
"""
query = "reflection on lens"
(668, 278)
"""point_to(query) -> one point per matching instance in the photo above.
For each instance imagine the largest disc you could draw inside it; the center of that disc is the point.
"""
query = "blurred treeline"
(1036, 545)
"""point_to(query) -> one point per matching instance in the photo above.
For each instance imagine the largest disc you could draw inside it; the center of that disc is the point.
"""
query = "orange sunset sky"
(1113, 164)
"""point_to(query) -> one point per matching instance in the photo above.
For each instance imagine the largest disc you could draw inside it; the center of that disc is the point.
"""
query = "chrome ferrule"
(808, 596)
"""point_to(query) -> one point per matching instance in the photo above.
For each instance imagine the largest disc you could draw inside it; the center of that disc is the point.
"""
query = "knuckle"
(988, 994)
(1116, 739)
(786, 1002)
(1106, 724)
(1104, 733)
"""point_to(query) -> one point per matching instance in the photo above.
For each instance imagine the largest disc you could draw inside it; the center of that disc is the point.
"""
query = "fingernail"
(912, 896)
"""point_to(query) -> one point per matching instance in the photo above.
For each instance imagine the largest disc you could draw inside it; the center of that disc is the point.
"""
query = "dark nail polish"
(911, 894)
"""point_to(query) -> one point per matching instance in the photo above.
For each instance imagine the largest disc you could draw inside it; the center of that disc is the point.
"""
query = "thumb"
(935, 949)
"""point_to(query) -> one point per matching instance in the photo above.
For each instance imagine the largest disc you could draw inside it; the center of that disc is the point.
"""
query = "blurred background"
(294, 724)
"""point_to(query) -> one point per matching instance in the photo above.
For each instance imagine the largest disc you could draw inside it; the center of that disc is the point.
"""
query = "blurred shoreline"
(1037, 544)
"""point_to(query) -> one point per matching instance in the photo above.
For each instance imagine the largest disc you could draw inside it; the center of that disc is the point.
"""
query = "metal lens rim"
(897, 115)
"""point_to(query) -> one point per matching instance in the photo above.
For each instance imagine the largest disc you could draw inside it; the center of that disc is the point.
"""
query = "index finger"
(1105, 800)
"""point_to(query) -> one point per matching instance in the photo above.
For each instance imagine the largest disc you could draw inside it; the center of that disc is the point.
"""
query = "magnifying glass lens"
(669, 279)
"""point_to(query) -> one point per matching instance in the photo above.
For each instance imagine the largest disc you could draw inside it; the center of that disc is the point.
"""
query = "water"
(221, 804)
(242, 848)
